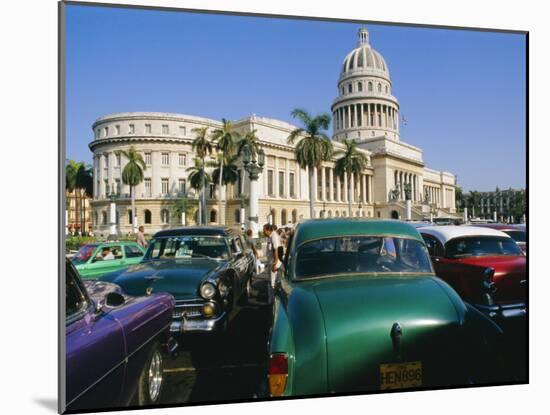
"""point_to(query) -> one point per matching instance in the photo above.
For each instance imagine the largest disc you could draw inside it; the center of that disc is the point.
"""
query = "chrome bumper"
(198, 325)
(507, 311)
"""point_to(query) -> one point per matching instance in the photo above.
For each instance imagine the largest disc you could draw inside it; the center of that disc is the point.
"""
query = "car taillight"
(277, 373)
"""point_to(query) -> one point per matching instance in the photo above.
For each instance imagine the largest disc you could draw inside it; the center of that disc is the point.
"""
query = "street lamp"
(220, 152)
(254, 165)
(112, 216)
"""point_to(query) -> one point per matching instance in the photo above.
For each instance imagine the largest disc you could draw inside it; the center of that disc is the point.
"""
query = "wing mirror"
(114, 299)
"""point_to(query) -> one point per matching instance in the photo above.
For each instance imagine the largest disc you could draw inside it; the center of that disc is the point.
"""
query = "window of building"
(165, 159)
(164, 186)
(164, 128)
(350, 88)
(182, 185)
(183, 130)
(379, 87)
(360, 86)
(182, 159)
(117, 186)
(117, 129)
(343, 91)
(237, 215)
(106, 162)
(131, 128)
(291, 188)
(370, 86)
(148, 159)
(105, 131)
(97, 133)
(147, 183)
(164, 216)
(387, 89)
(129, 214)
(148, 128)
(147, 217)
(106, 184)
(104, 218)
(213, 216)
(281, 184)
(270, 189)
(117, 159)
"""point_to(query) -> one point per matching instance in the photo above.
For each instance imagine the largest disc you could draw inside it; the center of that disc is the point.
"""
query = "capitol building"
(364, 110)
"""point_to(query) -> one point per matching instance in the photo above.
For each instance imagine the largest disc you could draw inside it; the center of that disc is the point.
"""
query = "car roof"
(447, 232)
(199, 230)
(113, 243)
(326, 228)
(498, 226)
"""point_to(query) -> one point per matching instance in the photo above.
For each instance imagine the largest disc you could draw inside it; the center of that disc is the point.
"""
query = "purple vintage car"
(115, 345)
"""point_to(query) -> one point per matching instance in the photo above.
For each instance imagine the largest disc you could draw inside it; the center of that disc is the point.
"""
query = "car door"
(133, 254)
(99, 266)
(94, 377)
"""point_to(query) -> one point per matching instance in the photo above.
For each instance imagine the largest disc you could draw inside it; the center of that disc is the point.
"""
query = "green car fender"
(299, 312)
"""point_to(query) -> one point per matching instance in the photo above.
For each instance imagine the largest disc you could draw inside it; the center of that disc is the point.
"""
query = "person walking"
(274, 261)
(140, 237)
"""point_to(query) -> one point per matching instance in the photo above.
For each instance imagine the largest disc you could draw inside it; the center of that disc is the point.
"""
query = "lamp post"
(220, 152)
(254, 167)
(360, 209)
(112, 216)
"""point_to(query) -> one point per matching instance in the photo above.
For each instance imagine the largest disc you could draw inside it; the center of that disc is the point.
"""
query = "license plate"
(400, 375)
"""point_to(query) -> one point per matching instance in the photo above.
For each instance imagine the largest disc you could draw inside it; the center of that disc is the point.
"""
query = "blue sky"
(462, 92)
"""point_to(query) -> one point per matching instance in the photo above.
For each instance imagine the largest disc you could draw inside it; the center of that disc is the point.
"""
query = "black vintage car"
(207, 269)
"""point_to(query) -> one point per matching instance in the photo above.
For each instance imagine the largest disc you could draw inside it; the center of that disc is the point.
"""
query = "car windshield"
(481, 246)
(188, 246)
(83, 254)
(518, 236)
(360, 255)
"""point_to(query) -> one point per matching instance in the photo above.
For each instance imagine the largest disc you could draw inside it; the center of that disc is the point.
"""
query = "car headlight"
(208, 290)
(209, 310)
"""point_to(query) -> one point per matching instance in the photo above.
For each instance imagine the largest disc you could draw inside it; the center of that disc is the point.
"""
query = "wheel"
(151, 379)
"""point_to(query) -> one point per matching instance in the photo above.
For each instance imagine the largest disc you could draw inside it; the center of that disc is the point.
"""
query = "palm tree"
(225, 139)
(351, 162)
(202, 147)
(314, 148)
(132, 175)
(180, 206)
(229, 174)
(199, 180)
(250, 141)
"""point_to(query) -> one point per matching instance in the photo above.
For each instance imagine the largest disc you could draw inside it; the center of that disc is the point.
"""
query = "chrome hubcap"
(155, 376)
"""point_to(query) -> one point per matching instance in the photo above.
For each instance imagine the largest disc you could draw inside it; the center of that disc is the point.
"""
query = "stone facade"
(364, 110)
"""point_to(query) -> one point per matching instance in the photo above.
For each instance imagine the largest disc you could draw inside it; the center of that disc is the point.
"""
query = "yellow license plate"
(400, 375)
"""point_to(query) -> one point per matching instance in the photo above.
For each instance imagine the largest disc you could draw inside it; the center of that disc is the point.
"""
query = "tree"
(132, 175)
(181, 205)
(199, 180)
(459, 199)
(225, 139)
(250, 141)
(229, 172)
(351, 162)
(202, 147)
(473, 201)
(313, 148)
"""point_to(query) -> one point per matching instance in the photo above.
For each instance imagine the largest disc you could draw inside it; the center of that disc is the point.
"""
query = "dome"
(364, 59)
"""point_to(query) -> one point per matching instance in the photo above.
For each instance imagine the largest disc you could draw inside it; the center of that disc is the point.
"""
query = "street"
(219, 368)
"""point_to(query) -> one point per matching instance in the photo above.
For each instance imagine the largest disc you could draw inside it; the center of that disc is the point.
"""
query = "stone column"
(364, 187)
(316, 196)
(101, 176)
(287, 179)
(276, 176)
(346, 195)
(371, 189)
(323, 184)
(253, 224)
(331, 184)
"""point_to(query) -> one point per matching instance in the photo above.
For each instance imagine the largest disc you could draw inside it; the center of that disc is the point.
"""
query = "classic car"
(206, 268)
(115, 345)
(358, 308)
(516, 232)
(97, 259)
(485, 266)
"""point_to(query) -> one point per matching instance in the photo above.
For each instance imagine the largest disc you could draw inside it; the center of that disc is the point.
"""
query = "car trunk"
(359, 313)
(181, 278)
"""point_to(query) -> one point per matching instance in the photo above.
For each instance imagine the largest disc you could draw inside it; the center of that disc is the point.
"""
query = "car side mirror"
(114, 299)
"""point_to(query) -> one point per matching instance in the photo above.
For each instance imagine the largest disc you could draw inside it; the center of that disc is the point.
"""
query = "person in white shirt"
(106, 254)
(274, 261)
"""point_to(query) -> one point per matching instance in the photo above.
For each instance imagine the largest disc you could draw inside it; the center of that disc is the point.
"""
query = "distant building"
(79, 212)
(364, 110)
(503, 203)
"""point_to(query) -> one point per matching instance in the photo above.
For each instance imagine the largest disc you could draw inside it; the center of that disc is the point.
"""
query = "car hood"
(359, 313)
(179, 277)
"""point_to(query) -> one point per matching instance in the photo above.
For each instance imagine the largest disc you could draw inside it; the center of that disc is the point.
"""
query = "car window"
(132, 251)
(108, 253)
(433, 245)
(361, 254)
(481, 246)
(83, 254)
(518, 236)
(187, 247)
(75, 300)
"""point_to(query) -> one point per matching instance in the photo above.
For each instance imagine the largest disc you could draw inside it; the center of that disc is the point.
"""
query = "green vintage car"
(97, 259)
(358, 308)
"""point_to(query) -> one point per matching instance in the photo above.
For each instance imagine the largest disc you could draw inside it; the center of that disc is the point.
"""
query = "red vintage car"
(485, 266)
(516, 232)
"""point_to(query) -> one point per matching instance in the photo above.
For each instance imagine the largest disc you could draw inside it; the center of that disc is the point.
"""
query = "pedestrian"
(273, 258)
(140, 237)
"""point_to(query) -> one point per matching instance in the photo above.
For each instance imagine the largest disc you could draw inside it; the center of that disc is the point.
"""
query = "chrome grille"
(187, 310)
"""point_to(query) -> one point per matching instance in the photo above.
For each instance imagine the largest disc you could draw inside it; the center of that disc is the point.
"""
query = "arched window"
(360, 86)
(129, 216)
(330, 213)
(213, 216)
(387, 89)
(104, 218)
(147, 217)
(344, 214)
(370, 86)
(350, 88)
(164, 216)
(322, 214)
(237, 215)
(283, 217)
(379, 87)
(337, 214)
(294, 216)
